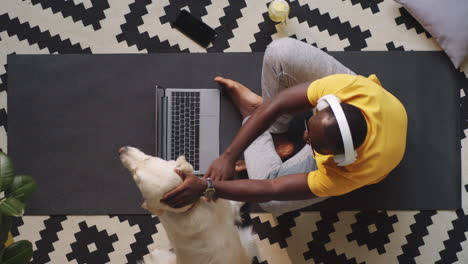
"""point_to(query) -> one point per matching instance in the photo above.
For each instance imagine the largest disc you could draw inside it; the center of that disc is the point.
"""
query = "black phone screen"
(194, 28)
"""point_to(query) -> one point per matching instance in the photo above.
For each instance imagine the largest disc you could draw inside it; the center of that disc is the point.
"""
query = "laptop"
(187, 123)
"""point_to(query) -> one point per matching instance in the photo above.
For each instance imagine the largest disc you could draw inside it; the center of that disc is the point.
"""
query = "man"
(295, 77)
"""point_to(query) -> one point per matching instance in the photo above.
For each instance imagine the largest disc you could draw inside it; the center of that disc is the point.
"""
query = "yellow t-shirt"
(384, 145)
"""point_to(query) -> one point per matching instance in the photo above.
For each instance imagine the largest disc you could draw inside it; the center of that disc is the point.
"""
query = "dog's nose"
(122, 150)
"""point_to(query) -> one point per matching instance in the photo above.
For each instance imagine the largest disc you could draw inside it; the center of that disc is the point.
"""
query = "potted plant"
(15, 190)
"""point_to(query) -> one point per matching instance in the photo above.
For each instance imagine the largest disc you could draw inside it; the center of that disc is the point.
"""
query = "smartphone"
(194, 28)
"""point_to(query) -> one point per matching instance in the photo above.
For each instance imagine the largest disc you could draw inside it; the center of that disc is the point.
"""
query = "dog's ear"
(183, 166)
(156, 212)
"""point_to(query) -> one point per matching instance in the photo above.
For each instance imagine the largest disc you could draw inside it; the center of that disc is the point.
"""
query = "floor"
(141, 26)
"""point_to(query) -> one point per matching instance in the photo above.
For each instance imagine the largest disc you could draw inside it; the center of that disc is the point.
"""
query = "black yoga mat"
(69, 114)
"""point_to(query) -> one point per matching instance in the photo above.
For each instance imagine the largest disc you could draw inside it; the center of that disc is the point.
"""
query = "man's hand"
(187, 193)
(223, 168)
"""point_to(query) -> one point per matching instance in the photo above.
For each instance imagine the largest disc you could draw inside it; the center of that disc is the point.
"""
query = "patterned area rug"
(142, 26)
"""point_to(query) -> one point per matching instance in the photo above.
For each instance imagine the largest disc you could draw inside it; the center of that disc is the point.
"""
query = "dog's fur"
(204, 233)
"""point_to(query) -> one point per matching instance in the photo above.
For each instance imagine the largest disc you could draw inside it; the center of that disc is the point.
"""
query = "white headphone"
(350, 154)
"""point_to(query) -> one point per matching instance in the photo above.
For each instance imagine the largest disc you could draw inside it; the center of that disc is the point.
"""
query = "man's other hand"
(222, 169)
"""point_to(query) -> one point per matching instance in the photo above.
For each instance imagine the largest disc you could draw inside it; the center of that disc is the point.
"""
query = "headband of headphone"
(350, 154)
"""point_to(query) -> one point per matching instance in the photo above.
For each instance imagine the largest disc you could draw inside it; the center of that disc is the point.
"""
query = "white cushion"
(447, 21)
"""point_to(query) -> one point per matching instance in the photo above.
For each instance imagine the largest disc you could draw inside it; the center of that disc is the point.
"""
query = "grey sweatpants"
(287, 62)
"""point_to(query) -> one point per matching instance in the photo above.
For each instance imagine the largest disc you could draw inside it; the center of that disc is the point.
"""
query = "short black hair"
(357, 125)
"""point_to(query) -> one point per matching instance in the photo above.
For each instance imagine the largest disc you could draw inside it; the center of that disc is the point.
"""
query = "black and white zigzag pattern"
(144, 26)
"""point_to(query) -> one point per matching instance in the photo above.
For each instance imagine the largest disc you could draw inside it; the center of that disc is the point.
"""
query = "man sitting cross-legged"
(355, 138)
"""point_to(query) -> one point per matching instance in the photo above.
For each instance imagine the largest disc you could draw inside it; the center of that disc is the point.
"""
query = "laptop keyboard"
(185, 128)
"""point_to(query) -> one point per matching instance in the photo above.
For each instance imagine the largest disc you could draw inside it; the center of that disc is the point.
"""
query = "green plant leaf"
(12, 206)
(5, 226)
(19, 252)
(22, 187)
(6, 172)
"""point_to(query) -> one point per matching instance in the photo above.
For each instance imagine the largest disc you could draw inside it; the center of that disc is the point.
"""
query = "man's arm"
(284, 188)
(291, 100)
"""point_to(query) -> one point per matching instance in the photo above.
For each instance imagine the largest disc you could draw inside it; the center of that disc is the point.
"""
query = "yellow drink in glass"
(278, 10)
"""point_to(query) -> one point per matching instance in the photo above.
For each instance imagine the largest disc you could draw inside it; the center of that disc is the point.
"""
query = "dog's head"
(154, 177)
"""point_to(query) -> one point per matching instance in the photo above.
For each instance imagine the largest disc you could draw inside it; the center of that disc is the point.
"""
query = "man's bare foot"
(283, 146)
(243, 98)
(240, 166)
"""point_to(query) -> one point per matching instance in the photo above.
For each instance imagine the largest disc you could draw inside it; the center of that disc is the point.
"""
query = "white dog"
(200, 233)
